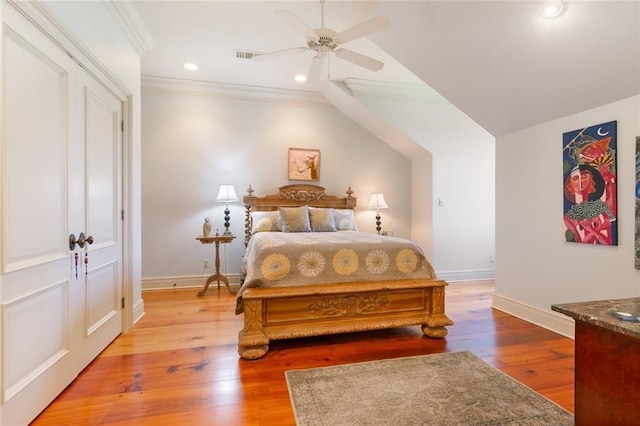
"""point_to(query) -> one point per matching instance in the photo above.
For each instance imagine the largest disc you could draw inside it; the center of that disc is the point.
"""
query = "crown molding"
(132, 24)
(36, 12)
(233, 91)
(392, 90)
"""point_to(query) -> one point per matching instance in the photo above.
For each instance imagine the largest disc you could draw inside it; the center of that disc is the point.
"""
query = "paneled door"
(101, 277)
(61, 171)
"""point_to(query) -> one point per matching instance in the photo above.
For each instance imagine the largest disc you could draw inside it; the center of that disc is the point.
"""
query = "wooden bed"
(318, 309)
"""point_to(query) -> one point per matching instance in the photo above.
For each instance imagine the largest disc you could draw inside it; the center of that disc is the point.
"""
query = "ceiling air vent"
(245, 54)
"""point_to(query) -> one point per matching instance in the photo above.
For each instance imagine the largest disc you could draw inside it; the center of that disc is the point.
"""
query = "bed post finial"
(249, 201)
(350, 200)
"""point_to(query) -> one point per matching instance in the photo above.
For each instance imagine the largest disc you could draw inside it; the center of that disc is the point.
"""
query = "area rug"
(455, 388)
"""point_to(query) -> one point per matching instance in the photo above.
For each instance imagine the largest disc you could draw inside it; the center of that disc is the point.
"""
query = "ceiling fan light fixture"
(300, 78)
(325, 41)
(190, 66)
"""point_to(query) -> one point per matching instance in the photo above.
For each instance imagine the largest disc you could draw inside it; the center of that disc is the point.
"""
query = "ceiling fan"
(324, 40)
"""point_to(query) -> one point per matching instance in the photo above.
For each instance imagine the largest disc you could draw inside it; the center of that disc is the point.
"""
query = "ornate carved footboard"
(289, 312)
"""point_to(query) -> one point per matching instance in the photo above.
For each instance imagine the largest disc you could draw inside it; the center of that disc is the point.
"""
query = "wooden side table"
(217, 239)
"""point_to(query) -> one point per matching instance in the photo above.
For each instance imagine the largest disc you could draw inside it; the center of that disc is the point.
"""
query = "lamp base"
(226, 221)
(378, 223)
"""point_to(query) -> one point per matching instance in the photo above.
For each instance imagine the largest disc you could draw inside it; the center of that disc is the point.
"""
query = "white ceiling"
(208, 33)
(499, 62)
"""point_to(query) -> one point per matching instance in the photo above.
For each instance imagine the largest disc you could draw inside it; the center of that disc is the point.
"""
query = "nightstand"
(217, 240)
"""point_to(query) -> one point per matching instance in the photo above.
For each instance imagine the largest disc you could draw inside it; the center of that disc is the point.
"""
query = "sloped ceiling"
(500, 62)
(509, 68)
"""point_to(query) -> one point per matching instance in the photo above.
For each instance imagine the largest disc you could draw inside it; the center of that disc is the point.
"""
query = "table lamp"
(377, 202)
(226, 194)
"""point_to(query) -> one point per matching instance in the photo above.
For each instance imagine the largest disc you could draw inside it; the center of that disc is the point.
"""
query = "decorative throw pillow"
(265, 222)
(345, 220)
(295, 219)
(322, 220)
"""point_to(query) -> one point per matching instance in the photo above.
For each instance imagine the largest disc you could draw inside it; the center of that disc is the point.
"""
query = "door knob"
(89, 239)
(81, 240)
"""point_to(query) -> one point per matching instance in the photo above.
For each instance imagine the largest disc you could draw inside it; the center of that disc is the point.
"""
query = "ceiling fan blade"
(316, 69)
(363, 29)
(296, 23)
(358, 59)
(267, 55)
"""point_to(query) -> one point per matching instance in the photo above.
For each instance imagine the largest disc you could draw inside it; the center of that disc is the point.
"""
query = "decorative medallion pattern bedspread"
(276, 259)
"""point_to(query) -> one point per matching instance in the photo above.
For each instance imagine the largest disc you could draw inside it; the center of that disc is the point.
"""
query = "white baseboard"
(190, 281)
(138, 311)
(544, 318)
(467, 275)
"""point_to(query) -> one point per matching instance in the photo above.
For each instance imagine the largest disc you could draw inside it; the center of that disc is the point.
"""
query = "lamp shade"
(377, 202)
(226, 194)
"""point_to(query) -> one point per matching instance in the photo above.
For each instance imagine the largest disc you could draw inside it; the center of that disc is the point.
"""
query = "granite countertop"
(603, 314)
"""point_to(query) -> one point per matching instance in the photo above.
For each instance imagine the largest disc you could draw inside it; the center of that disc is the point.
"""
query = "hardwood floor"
(179, 366)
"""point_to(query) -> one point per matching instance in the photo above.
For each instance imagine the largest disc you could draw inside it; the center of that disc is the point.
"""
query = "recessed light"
(190, 66)
(301, 78)
(552, 9)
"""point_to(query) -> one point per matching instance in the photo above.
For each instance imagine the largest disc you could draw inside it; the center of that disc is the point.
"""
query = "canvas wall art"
(589, 183)
(304, 164)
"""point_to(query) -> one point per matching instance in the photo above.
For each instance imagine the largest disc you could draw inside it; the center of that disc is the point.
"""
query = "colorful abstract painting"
(589, 181)
(637, 222)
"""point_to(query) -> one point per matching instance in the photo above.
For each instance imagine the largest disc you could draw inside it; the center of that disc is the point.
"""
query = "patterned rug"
(442, 389)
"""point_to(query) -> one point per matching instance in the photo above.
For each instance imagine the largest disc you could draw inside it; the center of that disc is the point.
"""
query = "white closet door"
(102, 259)
(60, 175)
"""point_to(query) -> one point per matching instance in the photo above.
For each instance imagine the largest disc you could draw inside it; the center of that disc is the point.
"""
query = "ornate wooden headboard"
(293, 196)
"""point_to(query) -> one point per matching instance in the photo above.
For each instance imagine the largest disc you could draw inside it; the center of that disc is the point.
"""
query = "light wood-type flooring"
(179, 365)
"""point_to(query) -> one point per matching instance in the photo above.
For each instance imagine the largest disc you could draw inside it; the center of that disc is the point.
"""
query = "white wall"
(463, 180)
(193, 142)
(535, 267)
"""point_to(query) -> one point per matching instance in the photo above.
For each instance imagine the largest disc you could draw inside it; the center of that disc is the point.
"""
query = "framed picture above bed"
(304, 164)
